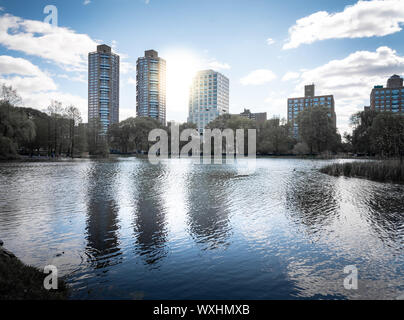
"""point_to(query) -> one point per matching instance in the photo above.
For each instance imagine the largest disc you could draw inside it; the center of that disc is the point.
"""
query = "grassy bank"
(21, 282)
(383, 171)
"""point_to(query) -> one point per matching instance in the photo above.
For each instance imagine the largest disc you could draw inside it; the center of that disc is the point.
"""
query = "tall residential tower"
(209, 98)
(103, 87)
(151, 86)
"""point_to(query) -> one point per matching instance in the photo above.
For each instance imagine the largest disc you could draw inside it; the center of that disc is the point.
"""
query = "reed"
(383, 171)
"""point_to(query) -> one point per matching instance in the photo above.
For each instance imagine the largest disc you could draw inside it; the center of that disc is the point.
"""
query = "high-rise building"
(151, 86)
(209, 98)
(103, 88)
(296, 105)
(309, 90)
(390, 98)
(260, 117)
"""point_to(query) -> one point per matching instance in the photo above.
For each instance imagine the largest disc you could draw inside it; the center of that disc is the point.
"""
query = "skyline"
(267, 52)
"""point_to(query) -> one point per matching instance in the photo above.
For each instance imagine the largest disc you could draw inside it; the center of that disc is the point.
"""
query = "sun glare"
(181, 68)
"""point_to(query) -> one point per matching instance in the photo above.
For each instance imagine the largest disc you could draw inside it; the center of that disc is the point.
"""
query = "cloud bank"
(362, 20)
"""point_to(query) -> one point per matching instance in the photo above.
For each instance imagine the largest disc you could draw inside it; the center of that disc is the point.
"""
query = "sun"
(182, 66)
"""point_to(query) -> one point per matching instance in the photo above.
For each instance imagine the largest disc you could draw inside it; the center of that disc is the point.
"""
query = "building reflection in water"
(208, 206)
(150, 223)
(102, 216)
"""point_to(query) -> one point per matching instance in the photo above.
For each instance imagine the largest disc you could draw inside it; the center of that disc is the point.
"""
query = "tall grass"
(384, 171)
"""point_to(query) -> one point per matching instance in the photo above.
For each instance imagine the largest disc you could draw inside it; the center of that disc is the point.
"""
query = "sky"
(269, 49)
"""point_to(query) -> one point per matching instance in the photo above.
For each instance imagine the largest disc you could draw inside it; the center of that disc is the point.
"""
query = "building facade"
(208, 98)
(390, 98)
(151, 87)
(260, 117)
(103, 88)
(310, 100)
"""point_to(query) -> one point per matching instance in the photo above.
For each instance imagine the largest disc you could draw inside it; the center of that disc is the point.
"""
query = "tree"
(97, 139)
(387, 135)
(301, 148)
(74, 117)
(10, 95)
(317, 130)
(361, 134)
(233, 122)
(15, 129)
(55, 110)
(274, 137)
(27, 130)
(132, 135)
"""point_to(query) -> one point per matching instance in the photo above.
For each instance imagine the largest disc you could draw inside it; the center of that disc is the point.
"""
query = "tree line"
(377, 134)
(274, 136)
(59, 131)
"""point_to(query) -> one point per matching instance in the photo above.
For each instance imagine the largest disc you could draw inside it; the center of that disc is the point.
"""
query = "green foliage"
(361, 135)
(32, 132)
(387, 135)
(233, 122)
(8, 150)
(378, 133)
(131, 135)
(15, 129)
(274, 138)
(317, 130)
(301, 148)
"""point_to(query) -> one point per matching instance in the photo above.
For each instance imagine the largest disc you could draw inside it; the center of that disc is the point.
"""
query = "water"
(126, 229)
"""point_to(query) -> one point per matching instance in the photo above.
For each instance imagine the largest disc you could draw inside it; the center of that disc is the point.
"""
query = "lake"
(125, 229)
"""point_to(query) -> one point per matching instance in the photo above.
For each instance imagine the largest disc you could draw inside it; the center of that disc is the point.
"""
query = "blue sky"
(268, 49)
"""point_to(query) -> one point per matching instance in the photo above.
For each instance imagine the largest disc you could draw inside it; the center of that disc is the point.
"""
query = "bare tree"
(10, 95)
(55, 111)
(73, 114)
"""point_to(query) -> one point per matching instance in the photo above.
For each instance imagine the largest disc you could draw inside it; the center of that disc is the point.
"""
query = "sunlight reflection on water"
(123, 228)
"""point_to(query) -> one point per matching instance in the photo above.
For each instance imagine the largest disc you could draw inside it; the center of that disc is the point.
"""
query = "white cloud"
(24, 76)
(291, 76)
(214, 64)
(36, 87)
(258, 77)
(351, 79)
(60, 45)
(277, 104)
(42, 100)
(86, 2)
(270, 41)
(80, 77)
(364, 19)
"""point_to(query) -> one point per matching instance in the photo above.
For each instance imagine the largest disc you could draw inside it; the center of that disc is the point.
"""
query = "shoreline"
(22, 159)
(19, 281)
